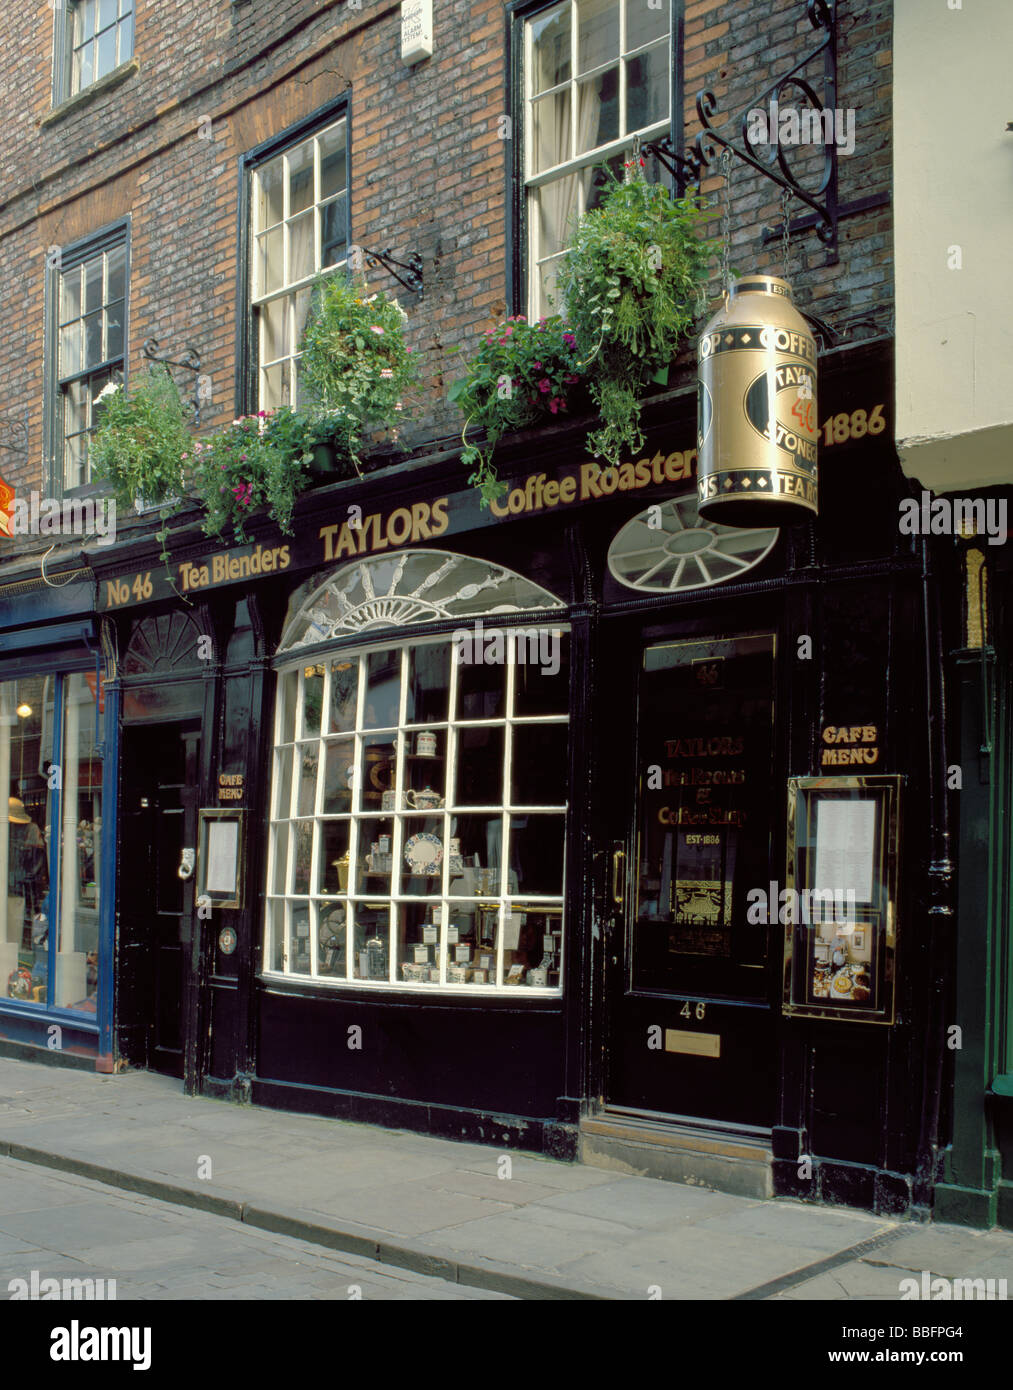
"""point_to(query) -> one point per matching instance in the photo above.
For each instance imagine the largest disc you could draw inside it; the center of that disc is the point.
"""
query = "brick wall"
(427, 166)
(736, 49)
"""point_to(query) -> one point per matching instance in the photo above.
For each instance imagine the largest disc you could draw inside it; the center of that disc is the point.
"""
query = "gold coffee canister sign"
(756, 409)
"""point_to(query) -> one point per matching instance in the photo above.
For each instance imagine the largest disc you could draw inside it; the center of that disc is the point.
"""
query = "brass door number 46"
(699, 1012)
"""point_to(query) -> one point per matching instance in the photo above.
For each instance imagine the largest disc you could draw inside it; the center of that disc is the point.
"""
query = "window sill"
(104, 84)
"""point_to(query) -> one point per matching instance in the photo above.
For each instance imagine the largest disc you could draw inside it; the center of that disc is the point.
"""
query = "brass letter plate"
(697, 1044)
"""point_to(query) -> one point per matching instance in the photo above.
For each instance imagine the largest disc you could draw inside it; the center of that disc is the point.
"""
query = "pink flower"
(508, 331)
(375, 328)
(569, 340)
(536, 366)
(554, 405)
(545, 386)
(570, 378)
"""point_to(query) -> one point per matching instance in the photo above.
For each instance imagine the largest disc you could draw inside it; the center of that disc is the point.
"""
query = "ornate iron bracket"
(189, 362)
(18, 431)
(690, 168)
(412, 267)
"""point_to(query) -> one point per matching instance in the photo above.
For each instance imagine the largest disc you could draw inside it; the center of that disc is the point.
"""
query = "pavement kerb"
(484, 1275)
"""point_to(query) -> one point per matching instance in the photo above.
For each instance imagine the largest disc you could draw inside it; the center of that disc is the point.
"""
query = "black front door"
(158, 821)
(691, 975)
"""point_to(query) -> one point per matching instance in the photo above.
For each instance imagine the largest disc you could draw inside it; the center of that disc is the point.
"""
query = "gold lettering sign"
(226, 568)
(422, 521)
(230, 786)
(853, 745)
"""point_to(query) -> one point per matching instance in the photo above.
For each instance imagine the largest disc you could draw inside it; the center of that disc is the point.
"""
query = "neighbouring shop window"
(298, 227)
(596, 73)
(705, 732)
(418, 814)
(50, 850)
(85, 353)
(93, 37)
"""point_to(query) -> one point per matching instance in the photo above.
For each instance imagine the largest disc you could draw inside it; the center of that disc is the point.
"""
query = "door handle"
(187, 864)
(617, 892)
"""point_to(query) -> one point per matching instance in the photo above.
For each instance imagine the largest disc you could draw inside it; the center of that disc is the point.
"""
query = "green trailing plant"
(631, 282)
(356, 367)
(522, 373)
(258, 461)
(140, 445)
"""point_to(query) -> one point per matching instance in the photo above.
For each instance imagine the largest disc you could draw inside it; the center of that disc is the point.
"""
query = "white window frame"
(284, 821)
(98, 374)
(289, 288)
(622, 145)
(68, 16)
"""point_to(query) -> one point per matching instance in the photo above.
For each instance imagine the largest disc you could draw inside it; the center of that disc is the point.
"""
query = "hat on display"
(16, 813)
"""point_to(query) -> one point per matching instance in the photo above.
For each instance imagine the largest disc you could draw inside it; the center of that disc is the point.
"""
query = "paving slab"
(397, 1201)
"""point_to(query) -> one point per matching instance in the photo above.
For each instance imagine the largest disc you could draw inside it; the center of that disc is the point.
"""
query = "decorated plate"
(843, 983)
(423, 853)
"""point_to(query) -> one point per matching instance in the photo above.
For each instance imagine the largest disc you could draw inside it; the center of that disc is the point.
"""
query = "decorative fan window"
(669, 549)
(412, 587)
(163, 674)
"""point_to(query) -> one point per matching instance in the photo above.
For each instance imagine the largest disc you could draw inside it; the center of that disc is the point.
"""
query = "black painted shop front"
(609, 998)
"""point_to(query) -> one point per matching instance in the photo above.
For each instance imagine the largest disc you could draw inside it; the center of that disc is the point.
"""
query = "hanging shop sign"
(757, 423)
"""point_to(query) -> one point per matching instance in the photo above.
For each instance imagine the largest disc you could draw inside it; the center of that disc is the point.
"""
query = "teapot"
(425, 800)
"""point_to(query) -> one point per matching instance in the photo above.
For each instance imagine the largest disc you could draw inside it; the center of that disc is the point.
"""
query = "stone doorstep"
(646, 1149)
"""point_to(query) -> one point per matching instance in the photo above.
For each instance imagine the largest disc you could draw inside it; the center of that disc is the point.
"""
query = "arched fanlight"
(406, 589)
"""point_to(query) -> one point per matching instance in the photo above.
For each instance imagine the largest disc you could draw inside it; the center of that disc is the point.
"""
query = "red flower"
(545, 386)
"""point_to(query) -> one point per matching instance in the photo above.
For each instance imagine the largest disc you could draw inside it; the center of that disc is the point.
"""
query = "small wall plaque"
(416, 30)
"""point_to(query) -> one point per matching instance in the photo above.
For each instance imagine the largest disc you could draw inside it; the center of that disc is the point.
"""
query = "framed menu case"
(220, 866)
(839, 907)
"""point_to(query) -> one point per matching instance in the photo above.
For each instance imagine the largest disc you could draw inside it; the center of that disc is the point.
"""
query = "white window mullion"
(318, 215)
(504, 853)
(574, 85)
(622, 69)
(400, 758)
